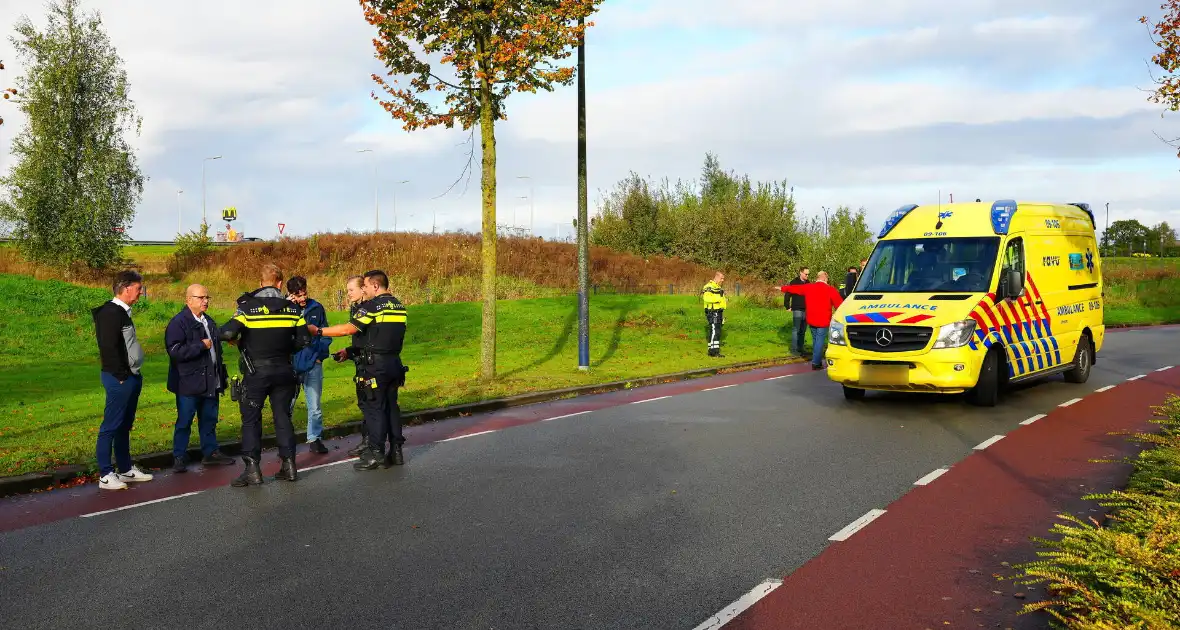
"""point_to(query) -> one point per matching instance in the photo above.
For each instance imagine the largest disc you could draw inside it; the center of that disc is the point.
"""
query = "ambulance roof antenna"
(938, 226)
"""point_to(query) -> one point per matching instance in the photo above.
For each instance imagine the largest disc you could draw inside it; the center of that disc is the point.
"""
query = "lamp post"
(531, 203)
(395, 185)
(179, 228)
(376, 205)
(204, 216)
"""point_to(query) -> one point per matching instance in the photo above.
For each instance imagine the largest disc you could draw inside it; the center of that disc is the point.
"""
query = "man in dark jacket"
(121, 357)
(309, 363)
(798, 306)
(197, 375)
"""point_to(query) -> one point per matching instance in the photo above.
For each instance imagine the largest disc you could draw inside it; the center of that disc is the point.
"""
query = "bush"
(1125, 574)
(192, 250)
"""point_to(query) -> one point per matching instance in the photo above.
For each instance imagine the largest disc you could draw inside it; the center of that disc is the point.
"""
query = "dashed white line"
(728, 613)
(856, 526)
(931, 477)
(1165, 369)
(135, 505)
(716, 388)
(775, 378)
(343, 461)
(1032, 419)
(568, 415)
(1104, 389)
(460, 437)
(1070, 402)
(640, 402)
(1135, 378)
(988, 442)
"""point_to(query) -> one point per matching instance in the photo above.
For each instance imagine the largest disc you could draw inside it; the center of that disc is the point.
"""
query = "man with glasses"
(197, 376)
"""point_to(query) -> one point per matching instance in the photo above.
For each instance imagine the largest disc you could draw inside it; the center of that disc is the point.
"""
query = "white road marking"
(460, 437)
(856, 526)
(1165, 369)
(135, 505)
(1135, 378)
(988, 442)
(640, 402)
(775, 378)
(722, 387)
(728, 613)
(931, 477)
(1032, 419)
(1104, 389)
(1070, 402)
(568, 415)
(343, 461)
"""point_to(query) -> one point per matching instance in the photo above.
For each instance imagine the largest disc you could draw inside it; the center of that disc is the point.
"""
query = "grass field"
(51, 400)
(1142, 290)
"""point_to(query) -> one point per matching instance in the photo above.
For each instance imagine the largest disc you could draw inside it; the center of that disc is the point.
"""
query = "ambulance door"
(1042, 294)
(1024, 357)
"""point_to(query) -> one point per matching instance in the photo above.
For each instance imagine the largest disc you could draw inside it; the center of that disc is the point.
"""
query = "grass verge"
(51, 400)
(1126, 573)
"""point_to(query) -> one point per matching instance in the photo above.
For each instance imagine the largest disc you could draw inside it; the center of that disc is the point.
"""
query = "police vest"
(382, 323)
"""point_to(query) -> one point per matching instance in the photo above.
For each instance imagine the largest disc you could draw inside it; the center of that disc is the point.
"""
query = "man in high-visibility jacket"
(714, 297)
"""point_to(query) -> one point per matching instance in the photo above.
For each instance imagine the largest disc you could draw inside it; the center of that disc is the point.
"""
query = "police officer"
(714, 298)
(381, 321)
(270, 329)
(355, 290)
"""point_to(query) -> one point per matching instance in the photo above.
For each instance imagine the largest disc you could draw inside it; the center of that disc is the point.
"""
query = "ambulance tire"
(853, 393)
(986, 392)
(1082, 361)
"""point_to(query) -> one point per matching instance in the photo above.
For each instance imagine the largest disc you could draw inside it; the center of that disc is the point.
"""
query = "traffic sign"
(281, 226)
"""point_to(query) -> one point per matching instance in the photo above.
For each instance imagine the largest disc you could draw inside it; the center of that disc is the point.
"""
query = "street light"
(531, 204)
(395, 185)
(204, 217)
(376, 205)
(179, 228)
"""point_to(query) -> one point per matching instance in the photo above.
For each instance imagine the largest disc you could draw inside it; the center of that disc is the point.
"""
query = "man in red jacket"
(821, 299)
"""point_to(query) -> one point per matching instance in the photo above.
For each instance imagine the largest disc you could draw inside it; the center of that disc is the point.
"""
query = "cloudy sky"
(873, 103)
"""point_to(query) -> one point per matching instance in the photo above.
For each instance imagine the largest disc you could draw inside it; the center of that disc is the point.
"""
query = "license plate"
(884, 375)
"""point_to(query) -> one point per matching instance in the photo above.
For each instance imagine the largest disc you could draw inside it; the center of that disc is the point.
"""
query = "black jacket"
(191, 369)
(118, 347)
(849, 285)
(271, 329)
(795, 302)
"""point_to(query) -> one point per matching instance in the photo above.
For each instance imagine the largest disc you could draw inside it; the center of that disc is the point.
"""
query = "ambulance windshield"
(930, 265)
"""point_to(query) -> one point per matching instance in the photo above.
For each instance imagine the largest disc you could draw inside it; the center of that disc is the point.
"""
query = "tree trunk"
(487, 132)
(583, 222)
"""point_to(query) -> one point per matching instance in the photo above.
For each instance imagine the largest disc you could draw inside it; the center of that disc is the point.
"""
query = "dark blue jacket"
(191, 371)
(315, 314)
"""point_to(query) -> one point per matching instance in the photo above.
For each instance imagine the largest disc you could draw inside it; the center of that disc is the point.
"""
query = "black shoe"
(251, 475)
(394, 457)
(369, 460)
(816, 367)
(287, 471)
(317, 447)
(360, 448)
(216, 459)
(179, 465)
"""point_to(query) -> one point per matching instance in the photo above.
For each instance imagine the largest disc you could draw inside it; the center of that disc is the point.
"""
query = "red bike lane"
(931, 559)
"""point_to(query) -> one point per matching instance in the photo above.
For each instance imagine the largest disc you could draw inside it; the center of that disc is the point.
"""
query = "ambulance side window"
(1013, 257)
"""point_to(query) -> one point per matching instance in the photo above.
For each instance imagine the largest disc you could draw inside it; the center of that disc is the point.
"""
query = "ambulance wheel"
(986, 392)
(1082, 361)
(853, 393)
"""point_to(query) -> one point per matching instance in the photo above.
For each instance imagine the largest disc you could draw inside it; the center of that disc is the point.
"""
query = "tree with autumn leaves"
(1166, 35)
(490, 49)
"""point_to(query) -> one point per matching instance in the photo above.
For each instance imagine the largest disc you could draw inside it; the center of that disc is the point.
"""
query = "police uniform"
(353, 353)
(271, 329)
(381, 324)
(714, 297)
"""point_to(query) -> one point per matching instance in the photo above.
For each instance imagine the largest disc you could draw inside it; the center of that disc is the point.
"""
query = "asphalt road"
(651, 515)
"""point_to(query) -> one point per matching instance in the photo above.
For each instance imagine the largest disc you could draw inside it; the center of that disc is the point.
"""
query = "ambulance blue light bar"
(896, 218)
(1002, 212)
(1086, 208)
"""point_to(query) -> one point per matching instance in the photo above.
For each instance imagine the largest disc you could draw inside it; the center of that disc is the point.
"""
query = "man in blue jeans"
(197, 375)
(309, 363)
(798, 306)
(121, 357)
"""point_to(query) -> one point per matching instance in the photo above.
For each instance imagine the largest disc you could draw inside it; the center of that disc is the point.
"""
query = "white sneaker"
(111, 481)
(134, 475)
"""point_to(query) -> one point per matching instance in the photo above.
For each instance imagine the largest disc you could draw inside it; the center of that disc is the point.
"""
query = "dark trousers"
(117, 419)
(714, 319)
(205, 408)
(799, 322)
(280, 386)
(377, 395)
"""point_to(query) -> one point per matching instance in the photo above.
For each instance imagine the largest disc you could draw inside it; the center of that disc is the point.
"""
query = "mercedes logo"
(884, 337)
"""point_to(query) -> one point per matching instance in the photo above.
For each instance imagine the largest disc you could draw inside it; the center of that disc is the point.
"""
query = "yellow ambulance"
(971, 297)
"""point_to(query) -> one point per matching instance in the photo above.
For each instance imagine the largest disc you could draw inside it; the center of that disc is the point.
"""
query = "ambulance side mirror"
(1013, 284)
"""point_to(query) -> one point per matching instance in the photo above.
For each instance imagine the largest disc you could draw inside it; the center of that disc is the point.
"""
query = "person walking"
(798, 306)
(197, 376)
(309, 363)
(821, 300)
(714, 298)
(121, 357)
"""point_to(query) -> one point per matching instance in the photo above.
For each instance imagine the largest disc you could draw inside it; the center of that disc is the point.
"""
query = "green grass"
(51, 400)
(146, 253)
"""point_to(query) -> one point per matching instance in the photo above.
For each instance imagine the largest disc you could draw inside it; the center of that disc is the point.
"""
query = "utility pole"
(531, 204)
(583, 227)
(395, 185)
(204, 216)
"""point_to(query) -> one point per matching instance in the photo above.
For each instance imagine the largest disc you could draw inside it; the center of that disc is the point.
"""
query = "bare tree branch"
(467, 168)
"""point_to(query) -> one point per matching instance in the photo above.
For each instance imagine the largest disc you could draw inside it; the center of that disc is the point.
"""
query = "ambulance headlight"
(836, 334)
(955, 335)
